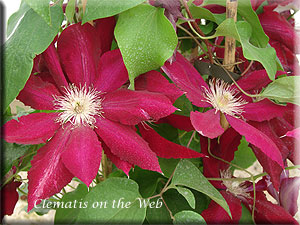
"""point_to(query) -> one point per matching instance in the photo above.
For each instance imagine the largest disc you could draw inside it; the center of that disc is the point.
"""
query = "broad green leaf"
(284, 89)
(241, 31)
(42, 8)
(96, 9)
(113, 201)
(10, 152)
(188, 195)
(14, 18)
(244, 156)
(146, 179)
(70, 10)
(188, 217)
(146, 39)
(246, 11)
(69, 206)
(266, 56)
(31, 37)
(187, 174)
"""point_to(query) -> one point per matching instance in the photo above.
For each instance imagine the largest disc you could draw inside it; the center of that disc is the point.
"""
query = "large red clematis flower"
(227, 107)
(81, 82)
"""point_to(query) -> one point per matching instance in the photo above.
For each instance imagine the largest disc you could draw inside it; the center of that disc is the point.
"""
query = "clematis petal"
(125, 143)
(105, 27)
(271, 167)
(48, 175)
(268, 213)
(82, 154)
(31, 129)
(153, 81)
(131, 107)
(79, 48)
(121, 164)
(51, 59)
(294, 133)
(208, 123)
(263, 110)
(256, 80)
(257, 138)
(278, 28)
(187, 78)
(111, 71)
(165, 148)
(289, 189)
(215, 214)
(178, 121)
(9, 198)
(281, 126)
(38, 94)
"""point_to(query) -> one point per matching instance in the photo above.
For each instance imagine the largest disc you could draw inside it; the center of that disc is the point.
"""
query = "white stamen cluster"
(222, 96)
(79, 106)
(234, 187)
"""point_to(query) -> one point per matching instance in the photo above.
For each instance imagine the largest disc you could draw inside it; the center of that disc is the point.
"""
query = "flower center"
(223, 98)
(234, 187)
(78, 106)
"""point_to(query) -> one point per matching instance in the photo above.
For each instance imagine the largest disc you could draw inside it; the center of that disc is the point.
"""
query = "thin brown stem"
(195, 25)
(248, 68)
(193, 37)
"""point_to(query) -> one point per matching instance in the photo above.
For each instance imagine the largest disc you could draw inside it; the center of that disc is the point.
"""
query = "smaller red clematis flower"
(227, 107)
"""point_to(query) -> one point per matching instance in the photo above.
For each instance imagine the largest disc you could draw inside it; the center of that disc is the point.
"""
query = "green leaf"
(96, 9)
(158, 216)
(283, 90)
(70, 205)
(184, 104)
(14, 18)
(188, 195)
(168, 165)
(70, 10)
(120, 196)
(167, 131)
(146, 179)
(246, 217)
(244, 156)
(203, 13)
(11, 152)
(246, 11)
(31, 37)
(42, 8)
(266, 56)
(188, 217)
(241, 31)
(187, 174)
(146, 39)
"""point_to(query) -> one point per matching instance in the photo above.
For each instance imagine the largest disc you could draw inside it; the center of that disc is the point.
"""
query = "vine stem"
(199, 31)
(193, 37)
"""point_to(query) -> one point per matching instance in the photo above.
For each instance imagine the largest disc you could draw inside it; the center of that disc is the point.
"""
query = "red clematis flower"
(82, 82)
(227, 107)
